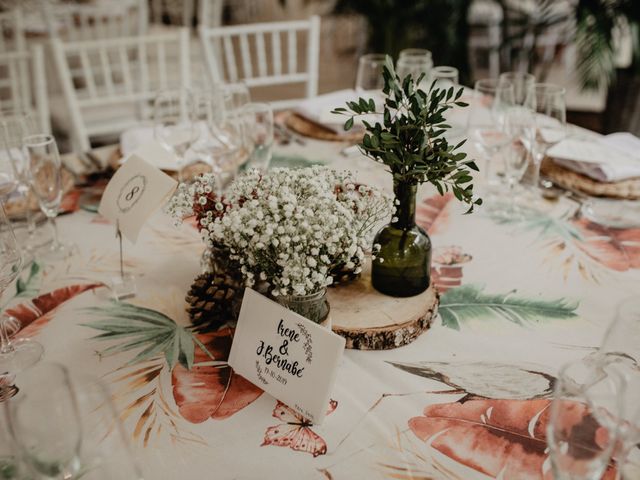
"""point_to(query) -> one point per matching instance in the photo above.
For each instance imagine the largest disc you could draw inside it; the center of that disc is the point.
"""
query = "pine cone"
(214, 299)
(341, 274)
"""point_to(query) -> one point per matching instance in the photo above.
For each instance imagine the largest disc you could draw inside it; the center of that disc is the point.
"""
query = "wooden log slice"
(370, 320)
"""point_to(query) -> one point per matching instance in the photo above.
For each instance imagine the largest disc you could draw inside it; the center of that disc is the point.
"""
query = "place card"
(287, 355)
(136, 191)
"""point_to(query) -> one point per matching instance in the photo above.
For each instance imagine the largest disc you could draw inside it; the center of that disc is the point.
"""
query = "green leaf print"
(469, 302)
(146, 330)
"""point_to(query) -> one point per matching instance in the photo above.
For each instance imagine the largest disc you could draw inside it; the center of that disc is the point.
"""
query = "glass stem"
(54, 227)
(31, 218)
(5, 343)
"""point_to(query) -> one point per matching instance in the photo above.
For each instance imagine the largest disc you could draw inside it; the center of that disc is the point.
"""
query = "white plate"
(613, 213)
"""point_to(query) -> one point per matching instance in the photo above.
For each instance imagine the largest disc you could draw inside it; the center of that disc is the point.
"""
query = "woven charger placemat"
(624, 189)
(16, 206)
(310, 129)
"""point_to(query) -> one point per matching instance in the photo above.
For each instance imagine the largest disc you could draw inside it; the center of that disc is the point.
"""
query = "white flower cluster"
(288, 228)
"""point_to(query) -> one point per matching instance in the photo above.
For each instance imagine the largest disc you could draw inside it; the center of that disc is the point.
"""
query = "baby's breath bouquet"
(287, 231)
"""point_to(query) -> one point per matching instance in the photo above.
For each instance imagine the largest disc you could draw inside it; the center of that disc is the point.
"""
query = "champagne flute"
(174, 126)
(488, 125)
(258, 121)
(521, 82)
(583, 426)
(520, 130)
(16, 355)
(45, 174)
(547, 101)
(14, 127)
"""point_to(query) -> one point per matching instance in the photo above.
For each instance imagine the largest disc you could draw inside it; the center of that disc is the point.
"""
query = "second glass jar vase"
(402, 263)
(313, 306)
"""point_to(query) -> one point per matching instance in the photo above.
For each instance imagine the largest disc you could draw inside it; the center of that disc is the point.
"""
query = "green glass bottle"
(402, 266)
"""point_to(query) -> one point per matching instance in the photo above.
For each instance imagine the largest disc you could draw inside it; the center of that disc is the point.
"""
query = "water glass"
(415, 62)
(445, 77)
(521, 82)
(369, 76)
(259, 129)
(45, 174)
(583, 426)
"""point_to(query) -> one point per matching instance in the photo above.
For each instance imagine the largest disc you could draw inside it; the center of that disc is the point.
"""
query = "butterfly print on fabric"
(295, 431)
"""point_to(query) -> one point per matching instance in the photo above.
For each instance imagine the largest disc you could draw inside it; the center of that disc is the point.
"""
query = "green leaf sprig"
(410, 140)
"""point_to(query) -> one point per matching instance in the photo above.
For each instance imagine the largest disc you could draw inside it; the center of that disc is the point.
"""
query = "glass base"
(25, 353)
(123, 287)
(56, 253)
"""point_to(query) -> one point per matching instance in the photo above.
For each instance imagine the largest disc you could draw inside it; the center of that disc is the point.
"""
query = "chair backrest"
(176, 12)
(263, 54)
(23, 84)
(117, 72)
(210, 13)
(12, 38)
(77, 21)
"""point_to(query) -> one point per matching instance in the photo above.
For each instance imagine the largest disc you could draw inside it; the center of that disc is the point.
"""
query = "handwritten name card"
(288, 356)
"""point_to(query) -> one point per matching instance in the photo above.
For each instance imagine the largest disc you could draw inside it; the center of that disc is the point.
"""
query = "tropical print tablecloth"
(467, 400)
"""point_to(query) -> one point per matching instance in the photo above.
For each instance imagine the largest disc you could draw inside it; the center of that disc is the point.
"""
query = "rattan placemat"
(308, 128)
(624, 189)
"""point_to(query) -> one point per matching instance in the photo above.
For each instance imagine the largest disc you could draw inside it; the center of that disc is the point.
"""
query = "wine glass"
(16, 355)
(547, 101)
(65, 426)
(521, 82)
(258, 121)
(222, 139)
(174, 126)
(236, 95)
(488, 126)
(584, 420)
(45, 174)
(415, 62)
(14, 127)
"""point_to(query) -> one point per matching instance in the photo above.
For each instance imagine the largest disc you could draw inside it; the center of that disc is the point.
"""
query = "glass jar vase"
(313, 306)
(402, 263)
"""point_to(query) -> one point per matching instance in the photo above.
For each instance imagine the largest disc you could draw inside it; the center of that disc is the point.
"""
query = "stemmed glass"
(521, 82)
(16, 355)
(174, 126)
(258, 121)
(446, 77)
(488, 125)
(222, 137)
(369, 76)
(584, 420)
(14, 127)
(620, 349)
(45, 174)
(65, 426)
(547, 101)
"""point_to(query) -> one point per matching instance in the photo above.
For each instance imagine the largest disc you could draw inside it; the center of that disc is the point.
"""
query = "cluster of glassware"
(63, 426)
(218, 126)
(513, 122)
(594, 418)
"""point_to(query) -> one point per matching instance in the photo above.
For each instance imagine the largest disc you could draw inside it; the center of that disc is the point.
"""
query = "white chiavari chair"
(12, 37)
(109, 85)
(113, 19)
(23, 84)
(264, 54)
